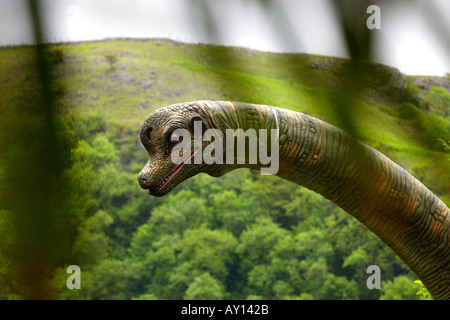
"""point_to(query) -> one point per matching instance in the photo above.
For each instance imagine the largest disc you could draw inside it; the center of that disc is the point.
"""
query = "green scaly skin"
(388, 200)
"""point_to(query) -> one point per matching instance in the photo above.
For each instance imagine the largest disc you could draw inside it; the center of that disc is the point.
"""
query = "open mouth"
(169, 177)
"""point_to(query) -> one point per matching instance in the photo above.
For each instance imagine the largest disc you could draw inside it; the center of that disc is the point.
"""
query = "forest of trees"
(247, 237)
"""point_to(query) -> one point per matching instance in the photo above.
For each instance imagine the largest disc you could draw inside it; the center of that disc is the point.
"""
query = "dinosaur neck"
(389, 201)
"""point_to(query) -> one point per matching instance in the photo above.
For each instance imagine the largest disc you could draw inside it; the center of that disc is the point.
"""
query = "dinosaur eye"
(174, 138)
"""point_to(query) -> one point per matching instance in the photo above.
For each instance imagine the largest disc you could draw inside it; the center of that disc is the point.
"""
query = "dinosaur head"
(162, 136)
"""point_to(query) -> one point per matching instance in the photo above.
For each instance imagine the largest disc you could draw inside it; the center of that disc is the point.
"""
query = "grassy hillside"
(125, 80)
(108, 88)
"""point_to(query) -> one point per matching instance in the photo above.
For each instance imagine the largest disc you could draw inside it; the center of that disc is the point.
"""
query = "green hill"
(242, 236)
(125, 80)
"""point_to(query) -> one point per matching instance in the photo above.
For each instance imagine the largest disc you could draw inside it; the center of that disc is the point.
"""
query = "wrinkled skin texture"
(389, 201)
(155, 136)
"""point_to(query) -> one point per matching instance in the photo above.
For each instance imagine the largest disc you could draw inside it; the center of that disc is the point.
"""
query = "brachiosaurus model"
(388, 200)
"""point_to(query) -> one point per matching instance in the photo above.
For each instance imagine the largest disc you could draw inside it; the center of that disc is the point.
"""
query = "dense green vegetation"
(242, 236)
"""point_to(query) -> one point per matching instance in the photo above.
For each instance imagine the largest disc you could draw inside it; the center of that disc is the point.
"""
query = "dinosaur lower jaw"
(169, 177)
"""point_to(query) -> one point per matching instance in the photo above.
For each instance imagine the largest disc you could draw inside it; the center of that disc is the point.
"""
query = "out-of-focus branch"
(34, 191)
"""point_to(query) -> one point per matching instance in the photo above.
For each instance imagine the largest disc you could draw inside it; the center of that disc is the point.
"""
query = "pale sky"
(405, 40)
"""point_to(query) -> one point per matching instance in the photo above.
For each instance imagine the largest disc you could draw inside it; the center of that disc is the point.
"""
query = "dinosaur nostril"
(144, 182)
